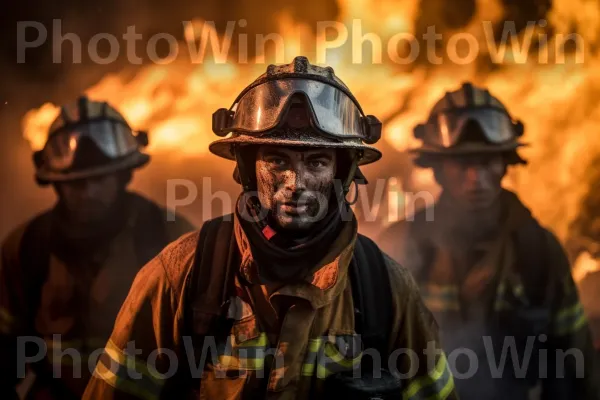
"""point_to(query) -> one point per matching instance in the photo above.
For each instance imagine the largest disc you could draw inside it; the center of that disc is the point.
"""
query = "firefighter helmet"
(453, 115)
(265, 106)
(87, 139)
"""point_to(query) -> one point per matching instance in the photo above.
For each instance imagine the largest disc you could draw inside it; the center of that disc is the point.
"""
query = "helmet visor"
(333, 112)
(448, 127)
(112, 138)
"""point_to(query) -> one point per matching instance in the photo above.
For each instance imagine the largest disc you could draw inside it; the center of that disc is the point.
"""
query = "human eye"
(317, 163)
(277, 161)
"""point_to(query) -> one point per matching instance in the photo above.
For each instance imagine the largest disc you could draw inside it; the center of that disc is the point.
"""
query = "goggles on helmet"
(446, 128)
(113, 138)
(264, 107)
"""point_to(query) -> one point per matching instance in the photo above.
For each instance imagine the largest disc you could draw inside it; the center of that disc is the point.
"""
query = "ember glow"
(555, 95)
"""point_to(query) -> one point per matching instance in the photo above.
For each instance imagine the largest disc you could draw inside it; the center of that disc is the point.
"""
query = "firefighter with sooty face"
(282, 299)
(498, 283)
(65, 273)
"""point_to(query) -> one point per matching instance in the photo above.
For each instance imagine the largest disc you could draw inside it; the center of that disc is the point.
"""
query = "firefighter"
(65, 273)
(498, 283)
(282, 299)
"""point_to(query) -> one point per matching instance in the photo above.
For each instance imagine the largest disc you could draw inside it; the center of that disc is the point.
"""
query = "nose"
(295, 180)
(88, 188)
(475, 175)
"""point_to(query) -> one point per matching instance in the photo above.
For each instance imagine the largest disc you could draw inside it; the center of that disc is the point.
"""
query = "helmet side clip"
(222, 120)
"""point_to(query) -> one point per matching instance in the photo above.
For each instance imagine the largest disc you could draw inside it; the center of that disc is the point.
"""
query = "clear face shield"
(114, 139)
(447, 128)
(264, 107)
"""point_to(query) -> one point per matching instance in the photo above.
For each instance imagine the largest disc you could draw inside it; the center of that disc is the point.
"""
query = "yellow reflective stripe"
(568, 311)
(441, 289)
(124, 385)
(447, 389)
(308, 369)
(502, 305)
(569, 319)
(249, 354)
(314, 345)
(440, 375)
(439, 305)
(233, 362)
(440, 298)
(131, 363)
(332, 361)
(260, 341)
(519, 290)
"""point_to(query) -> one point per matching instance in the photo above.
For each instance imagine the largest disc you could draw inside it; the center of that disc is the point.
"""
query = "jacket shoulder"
(175, 224)
(177, 258)
(401, 278)
(12, 243)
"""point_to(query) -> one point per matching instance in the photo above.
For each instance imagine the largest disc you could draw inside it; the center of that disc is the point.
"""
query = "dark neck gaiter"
(281, 257)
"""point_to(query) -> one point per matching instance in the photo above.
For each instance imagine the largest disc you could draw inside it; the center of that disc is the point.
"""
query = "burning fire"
(557, 101)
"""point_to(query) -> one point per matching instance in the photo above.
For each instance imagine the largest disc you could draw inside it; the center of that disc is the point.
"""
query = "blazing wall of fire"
(548, 75)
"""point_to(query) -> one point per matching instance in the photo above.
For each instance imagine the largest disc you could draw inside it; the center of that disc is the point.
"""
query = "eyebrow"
(275, 153)
(327, 155)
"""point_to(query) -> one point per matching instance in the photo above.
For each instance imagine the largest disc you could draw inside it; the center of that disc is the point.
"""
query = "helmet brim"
(224, 147)
(467, 149)
(132, 161)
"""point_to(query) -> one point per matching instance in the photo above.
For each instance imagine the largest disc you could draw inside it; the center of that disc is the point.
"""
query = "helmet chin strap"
(351, 177)
(242, 170)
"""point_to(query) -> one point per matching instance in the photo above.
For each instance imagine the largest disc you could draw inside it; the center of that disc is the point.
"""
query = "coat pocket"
(238, 359)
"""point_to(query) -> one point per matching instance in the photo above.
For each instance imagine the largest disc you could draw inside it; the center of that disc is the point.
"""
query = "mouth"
(294, 208)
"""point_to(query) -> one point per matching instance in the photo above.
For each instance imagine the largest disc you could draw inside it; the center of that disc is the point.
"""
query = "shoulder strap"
(150, 231)
(211, 278)
(372, 294)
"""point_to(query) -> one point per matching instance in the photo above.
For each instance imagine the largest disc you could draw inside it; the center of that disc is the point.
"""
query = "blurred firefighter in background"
(486, 267)
(65, 273)
(282, 287)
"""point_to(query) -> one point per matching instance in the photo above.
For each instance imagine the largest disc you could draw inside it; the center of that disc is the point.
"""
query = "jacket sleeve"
(571, 371)
(415, 348)
(143, 356)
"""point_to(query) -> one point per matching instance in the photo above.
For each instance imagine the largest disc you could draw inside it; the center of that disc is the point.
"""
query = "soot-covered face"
(295, 184)
(90, 201)
(474, 182)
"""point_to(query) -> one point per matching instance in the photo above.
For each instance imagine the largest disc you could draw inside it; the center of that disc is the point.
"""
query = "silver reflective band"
(447, 129)
(261, 108)
(114, 139)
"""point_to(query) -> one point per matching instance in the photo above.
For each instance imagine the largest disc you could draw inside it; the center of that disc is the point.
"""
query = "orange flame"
(558, 102)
